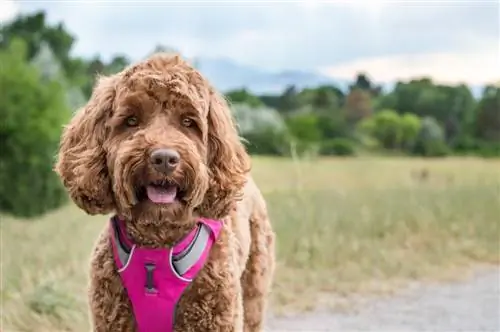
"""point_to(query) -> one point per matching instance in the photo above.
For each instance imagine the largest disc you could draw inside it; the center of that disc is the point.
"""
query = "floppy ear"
(81, 162)
(228, 161)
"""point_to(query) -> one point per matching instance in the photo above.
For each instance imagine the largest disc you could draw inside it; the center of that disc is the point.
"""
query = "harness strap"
(182, 262)
(122, 248)
(186, 259)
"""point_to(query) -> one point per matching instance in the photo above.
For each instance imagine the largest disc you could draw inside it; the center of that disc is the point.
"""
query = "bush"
(304, 133)
(337, 147)
(431, 148)
(430, 141)
(263, 128)
(268, 142)
(469, 145)
(32, 114)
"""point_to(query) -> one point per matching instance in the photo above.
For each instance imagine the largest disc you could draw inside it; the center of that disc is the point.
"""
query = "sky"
(450, 41)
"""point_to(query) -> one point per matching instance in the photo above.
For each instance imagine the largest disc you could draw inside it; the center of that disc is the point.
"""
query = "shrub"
(338, 147)
(32, 114)
(430, 141)
(263, 129)
(268, 142)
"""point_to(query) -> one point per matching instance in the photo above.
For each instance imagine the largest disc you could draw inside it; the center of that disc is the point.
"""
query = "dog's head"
(155, 140)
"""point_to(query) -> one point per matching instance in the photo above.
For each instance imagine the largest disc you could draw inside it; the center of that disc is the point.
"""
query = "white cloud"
(479, 67)
(8, 10)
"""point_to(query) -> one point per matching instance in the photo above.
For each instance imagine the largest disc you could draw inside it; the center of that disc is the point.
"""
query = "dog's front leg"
(109, 306)
(213, 302)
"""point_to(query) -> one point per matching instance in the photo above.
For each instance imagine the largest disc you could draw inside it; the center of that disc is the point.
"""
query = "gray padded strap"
(123, 254)
(190, 256)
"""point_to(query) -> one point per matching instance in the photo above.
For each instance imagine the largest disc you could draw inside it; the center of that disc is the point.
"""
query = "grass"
(344, 226)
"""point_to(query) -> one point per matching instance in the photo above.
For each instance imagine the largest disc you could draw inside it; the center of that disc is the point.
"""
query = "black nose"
(165, 160)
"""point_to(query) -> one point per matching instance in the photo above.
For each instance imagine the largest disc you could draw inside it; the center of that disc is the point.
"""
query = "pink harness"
(155, 279)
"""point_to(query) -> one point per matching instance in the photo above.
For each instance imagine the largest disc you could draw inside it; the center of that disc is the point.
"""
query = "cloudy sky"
(451, 41)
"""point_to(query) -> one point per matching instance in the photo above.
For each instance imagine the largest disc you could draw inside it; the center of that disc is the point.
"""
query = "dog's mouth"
(161, 192)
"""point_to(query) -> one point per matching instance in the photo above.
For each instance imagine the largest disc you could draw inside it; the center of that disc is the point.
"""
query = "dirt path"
(472, 305)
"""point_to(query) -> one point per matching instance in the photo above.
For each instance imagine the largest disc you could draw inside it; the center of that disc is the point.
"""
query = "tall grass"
(343, 226)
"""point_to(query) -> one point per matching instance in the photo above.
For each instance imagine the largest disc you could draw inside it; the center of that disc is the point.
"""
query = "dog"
(156, 146)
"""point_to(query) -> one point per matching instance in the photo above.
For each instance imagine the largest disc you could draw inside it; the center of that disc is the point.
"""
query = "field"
(344, 226)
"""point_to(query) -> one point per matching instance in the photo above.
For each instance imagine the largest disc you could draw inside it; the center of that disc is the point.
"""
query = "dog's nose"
(165, 160)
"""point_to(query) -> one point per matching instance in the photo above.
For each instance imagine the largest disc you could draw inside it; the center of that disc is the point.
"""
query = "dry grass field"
(344, 226)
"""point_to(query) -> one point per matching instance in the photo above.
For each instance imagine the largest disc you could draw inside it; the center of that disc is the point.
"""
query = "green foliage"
(263, 129)
(410, 127)
(327, 98)
(430, 140)
(451, 106)
(242, 96)
(304, 132)
(304, 128)
(268, 142)
(337, 147)
(32, 114)
(488, 115)
(333, 125)
(392, 130)
(387, 129)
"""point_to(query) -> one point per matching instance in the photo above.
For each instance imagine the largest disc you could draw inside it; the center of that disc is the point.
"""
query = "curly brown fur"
(103, 162)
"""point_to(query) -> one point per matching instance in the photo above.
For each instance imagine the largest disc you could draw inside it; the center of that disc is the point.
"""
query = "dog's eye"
(132, 121)
(187, 122)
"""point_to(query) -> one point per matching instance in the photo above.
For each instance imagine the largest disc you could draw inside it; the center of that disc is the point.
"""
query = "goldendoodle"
(189, 245)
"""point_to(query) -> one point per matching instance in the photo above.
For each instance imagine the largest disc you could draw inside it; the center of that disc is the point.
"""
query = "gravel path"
(472, 305)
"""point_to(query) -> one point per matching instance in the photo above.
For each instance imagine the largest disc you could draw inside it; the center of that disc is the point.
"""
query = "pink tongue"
(162, 194)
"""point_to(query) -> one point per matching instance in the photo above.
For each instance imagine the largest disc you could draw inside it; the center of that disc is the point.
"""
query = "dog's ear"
(81, 162)
(228, 161)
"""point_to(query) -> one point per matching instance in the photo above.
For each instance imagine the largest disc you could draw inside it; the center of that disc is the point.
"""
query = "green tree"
(242, 96)
(410, 127)
(33, 110)
(452, 106)
(263, 129)
(488, 115)
(385, 126)
(304, 130)
(289, 100)
(364, 83)
(328, 98)
(391, 130)
(431, 139)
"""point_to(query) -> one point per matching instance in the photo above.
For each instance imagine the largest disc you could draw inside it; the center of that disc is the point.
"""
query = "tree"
(410, 127)
(242, 96)
(391, 130)
(364, 83)
(289, 101)
(304, 129)
(263, 129)
(358, 105)
(452, 106)
(488, 115)
(430, 140)
(385, 126)
(328, 98)
(33, 110)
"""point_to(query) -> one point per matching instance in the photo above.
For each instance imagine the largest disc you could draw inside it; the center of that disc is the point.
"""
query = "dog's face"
(157, 142)
(154, 141)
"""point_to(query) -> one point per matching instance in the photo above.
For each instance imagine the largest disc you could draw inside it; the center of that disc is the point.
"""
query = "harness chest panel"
(155, 279)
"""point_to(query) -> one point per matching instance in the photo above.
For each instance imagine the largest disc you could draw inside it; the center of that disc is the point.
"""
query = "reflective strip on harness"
(181, 262)
(123, 252)
(189, 257)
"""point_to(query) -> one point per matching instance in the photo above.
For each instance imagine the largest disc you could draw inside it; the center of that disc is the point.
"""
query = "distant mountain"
(227, 74)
